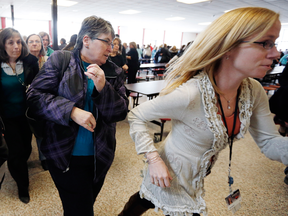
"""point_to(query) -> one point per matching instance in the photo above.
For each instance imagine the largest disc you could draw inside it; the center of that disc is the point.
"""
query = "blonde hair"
(224, 34)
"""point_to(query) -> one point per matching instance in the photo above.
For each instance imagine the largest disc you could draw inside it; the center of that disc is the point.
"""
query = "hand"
(159, 174)
(95, 73)
(83, 118)
(125, 67)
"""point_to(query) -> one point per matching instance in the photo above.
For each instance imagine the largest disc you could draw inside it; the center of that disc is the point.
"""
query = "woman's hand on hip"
(83, 118)
(159, 174)
(95, 73)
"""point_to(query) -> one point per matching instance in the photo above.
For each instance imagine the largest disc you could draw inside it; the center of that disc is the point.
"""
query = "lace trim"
(215, 123)
(173, 211)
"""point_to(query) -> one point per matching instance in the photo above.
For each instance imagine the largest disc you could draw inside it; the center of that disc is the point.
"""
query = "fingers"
(93, 70)
(161, 182)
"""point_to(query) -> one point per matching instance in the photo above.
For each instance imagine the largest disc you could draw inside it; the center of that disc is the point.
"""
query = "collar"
(8, 70)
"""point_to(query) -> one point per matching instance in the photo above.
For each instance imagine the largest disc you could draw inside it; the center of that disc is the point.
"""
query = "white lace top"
(197, 134)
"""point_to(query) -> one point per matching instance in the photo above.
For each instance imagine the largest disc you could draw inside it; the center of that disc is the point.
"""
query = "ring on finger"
(90, 125)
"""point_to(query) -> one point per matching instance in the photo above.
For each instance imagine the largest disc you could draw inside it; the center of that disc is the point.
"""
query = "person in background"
(154, 53)
(18, 69)
(36, 48)
(133, 62)
(212, 98)
(278, 105)
(46, 42)
(147, 54)
(140, 52)
(123, 50)
(116, 55)
(24, 37)
(126, 48)
(179, 54)
(72, 43)
(173, 51)
(81, 109)
(163, 55)
(283, 60)
(62, 43)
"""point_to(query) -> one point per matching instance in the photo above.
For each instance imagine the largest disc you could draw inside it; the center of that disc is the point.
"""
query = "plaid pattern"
(52, 97)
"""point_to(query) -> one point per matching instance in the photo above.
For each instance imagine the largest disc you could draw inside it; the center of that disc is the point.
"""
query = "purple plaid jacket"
(52, 97)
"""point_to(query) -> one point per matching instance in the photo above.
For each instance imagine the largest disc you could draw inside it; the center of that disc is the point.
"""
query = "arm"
(263, 129)
(177, 101)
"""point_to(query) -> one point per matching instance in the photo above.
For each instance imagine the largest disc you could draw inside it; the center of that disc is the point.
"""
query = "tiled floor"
(259, 179)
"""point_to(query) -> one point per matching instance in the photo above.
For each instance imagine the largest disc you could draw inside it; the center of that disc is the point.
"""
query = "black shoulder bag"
(37, 125)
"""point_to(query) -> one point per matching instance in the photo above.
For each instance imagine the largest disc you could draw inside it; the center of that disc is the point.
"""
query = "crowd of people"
(79, 93)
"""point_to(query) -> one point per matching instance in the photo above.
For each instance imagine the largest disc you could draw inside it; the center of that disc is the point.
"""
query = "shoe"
(24, 195)
(44, 165)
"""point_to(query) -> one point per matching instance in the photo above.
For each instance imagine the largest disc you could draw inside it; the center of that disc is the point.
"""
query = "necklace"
(13, 69)
(228, 101)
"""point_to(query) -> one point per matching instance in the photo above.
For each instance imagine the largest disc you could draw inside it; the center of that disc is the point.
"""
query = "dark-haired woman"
(70, 46)
(133, 62)
(116, 55)
(18, 69)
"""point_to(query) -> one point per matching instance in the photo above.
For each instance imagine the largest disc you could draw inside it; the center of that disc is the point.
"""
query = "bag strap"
(66, 61)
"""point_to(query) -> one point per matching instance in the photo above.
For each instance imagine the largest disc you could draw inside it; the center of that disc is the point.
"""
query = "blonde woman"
(210, 91)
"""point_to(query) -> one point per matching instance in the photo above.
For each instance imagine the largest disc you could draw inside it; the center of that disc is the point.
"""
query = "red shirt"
(230, 121)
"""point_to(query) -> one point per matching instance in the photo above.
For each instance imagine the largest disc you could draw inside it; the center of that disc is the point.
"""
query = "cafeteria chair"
(158, 136)
(135, 96)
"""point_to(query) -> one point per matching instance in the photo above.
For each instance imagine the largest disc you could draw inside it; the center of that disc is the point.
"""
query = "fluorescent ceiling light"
(65, 3)
(284, 23)
(192, 1)
(204, 23)
(129, 12)
(175, 18)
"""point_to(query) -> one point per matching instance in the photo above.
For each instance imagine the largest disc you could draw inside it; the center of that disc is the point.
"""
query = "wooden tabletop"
(147, 88)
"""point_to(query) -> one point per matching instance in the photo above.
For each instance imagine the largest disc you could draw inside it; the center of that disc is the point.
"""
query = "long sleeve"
(171, 106)
(263, 129)
(112, 102)
(43, 94)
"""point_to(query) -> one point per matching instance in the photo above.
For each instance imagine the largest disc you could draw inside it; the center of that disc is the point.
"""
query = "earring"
(227, 57)
(87, 47)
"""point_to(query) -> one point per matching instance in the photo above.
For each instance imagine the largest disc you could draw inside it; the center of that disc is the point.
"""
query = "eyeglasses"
(267, 44)
(108, 43)
(31, 41)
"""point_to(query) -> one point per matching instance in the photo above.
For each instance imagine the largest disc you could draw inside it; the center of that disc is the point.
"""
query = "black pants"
(76, 188)
(18, 139)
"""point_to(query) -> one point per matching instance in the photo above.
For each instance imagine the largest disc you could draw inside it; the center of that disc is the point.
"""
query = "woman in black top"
(18, 69)
(116, 55)
(133, 63)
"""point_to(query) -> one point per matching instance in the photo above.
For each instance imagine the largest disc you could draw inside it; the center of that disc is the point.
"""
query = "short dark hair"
(4, 36)
(93, 26)
(63, 40)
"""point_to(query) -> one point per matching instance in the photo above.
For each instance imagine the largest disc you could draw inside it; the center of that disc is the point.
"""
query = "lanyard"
(230, 179)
